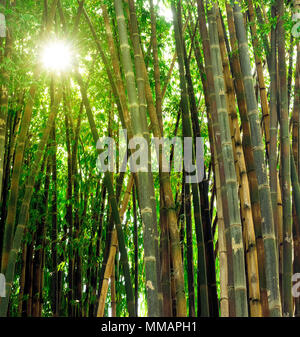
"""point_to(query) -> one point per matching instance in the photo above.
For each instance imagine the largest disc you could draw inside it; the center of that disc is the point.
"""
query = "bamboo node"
(146, 210)
(149, 285)
(150, 258)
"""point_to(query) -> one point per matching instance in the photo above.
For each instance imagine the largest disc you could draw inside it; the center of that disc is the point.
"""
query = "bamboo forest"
(149, 158)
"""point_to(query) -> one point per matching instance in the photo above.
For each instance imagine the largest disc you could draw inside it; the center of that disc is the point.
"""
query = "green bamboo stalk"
(24, 211)
(260, 76)
(248, 152)
(296, 186)
(203, 186)
(268, 231)
(240, 287)
(40, 247)
(4, 109)
(187, 132)
(209, 86)
(164, 177)
(265, 39)
(54, 283)
(139, 66)
(224, 301)
(158, 92)
(137, 107)
(14, 189)
(117, 72)
(17, 169)
(3, 119)
(287, 301)
(273, 123)
(113, 203)
(136, 252)
(296, 153)
(117, 95)
(243, 183)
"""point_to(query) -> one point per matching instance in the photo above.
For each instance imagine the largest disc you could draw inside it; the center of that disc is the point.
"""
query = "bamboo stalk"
(23, 217)
(204, 185)
(164, 177)
(287, 302)
(187, 132)
(248, 152)
(260, 76)
(112, 200)
(158, 92)
(17, 169)
(224, 301)
(112, 252)
(139, 125)
(244, 193)
(296, 154)
(230, 174)
(213, 115)
(136, 254)
(4, 109)
(40, 242)
(268, 231)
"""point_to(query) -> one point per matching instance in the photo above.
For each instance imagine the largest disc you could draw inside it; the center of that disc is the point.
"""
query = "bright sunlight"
(57, 56)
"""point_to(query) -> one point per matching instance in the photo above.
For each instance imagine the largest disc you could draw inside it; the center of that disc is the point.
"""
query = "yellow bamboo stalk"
(112, 252)
(113, 293)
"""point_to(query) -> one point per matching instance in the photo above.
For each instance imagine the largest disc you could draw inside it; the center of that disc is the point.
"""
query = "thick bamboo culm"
(268, 231)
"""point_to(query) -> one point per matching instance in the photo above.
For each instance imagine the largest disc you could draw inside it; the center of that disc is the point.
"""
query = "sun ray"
(57, 56)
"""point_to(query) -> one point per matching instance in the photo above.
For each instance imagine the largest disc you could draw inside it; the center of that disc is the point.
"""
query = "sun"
(57, 56)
